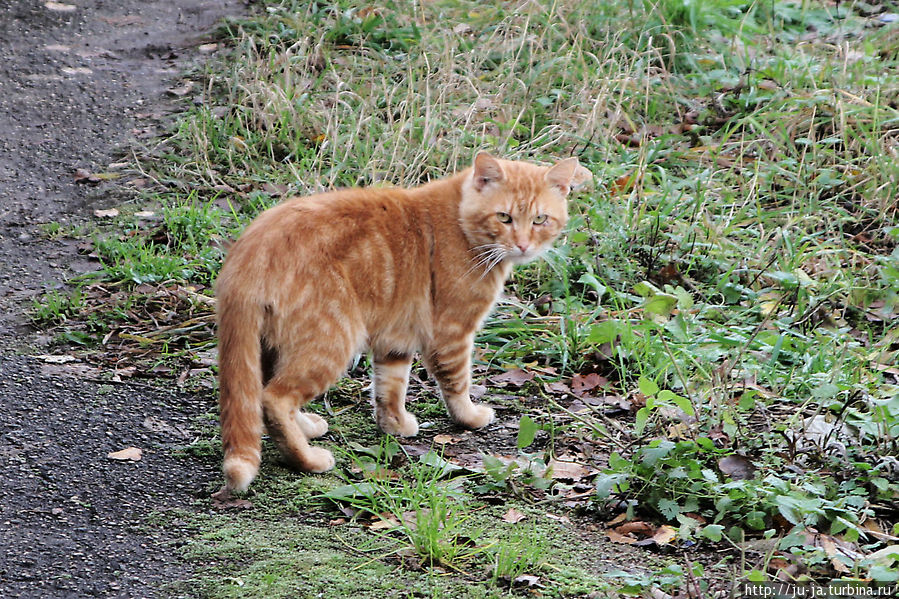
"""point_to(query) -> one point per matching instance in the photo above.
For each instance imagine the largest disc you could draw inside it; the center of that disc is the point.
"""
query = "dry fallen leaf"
(529, 579)
(557, 387)
(581, 384)
(446, 439)
(617, 537)
(513, 516)
(129, 454)
(85, 176)
(223, 499)
(182, 90)
(106, 213)
(385, 524)
(617, 519)
(664, 535)
(638, 526)
(59, 6)
(515, 377)
(569, 470)
(56, 359)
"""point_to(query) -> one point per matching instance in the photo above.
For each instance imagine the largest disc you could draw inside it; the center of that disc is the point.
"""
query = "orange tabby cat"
(315, 280)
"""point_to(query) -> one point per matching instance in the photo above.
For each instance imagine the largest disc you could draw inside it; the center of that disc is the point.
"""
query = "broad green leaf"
(712, 532)
(661, 304)
(640, 420)
(684, 404)
(606, 483)
(647, 386)
(654, 453)
(787, 508)
(645, 289)
(825, 391)
(348, 492)
(527, 430)
(590, 279)
(604, 332)
(435, 460)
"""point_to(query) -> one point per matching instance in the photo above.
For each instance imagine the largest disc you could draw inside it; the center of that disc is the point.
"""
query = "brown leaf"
(446, 439)
(644, 529)
(581, 384)
(223, 499)
(617, 537)
(139, 182)
(515, 377)
(737, 467)
(336, 521)
(183, 90)
(132, 454)
(563, 518)
(664, 535)
(106, 213)
(82, 175)
(276, 189)
(624, 184)
(385, 524)
(617, 519)
(557, 388)
(513, 516)
(569, 470)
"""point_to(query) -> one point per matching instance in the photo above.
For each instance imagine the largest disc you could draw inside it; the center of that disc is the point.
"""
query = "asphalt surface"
(80, 82)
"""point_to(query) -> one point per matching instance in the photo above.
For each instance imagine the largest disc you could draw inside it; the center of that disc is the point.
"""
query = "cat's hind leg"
(313, 425)
(279, 403)
(391, 374)
(449, 361)
(308, 372)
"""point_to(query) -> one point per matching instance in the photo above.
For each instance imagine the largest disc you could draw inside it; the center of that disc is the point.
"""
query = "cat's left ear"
(487, 170)
(566, 175)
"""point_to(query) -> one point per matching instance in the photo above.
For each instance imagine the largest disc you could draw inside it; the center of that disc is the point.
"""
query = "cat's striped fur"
(315, 280)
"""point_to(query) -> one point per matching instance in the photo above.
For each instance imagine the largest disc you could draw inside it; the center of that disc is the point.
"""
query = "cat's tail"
(240, 389)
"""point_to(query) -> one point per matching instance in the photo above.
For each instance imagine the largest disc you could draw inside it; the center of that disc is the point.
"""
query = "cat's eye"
(504, 217)
(539, 219)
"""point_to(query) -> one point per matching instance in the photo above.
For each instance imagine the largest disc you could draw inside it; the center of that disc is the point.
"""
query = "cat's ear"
(487, 170)
(567, 174)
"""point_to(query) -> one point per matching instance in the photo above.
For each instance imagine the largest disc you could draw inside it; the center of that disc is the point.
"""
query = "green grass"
(732, 275)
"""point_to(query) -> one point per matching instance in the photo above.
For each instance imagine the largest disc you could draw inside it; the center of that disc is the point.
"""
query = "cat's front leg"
(449, 361)
(391, 374)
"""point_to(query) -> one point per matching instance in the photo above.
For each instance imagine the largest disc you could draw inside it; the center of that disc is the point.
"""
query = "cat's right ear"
(486, 170)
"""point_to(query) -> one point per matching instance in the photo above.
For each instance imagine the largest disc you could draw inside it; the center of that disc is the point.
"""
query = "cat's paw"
(317, 459)
(475, 416)
(403, 426)
(313, 425)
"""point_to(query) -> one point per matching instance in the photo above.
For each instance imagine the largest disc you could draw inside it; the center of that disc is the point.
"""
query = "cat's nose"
(523, 246)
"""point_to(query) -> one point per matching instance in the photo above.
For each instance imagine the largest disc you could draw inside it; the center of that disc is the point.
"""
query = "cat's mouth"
(517, 255)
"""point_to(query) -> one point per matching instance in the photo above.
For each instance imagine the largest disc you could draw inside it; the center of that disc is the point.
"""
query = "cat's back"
(367, 232)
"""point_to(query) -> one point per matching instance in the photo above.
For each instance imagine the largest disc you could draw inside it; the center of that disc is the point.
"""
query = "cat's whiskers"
(489, 255)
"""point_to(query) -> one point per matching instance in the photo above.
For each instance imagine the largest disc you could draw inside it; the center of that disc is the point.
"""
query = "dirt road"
(79, 80)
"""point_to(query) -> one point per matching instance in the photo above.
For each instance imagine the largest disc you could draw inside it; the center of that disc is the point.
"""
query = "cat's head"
(515, 210)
